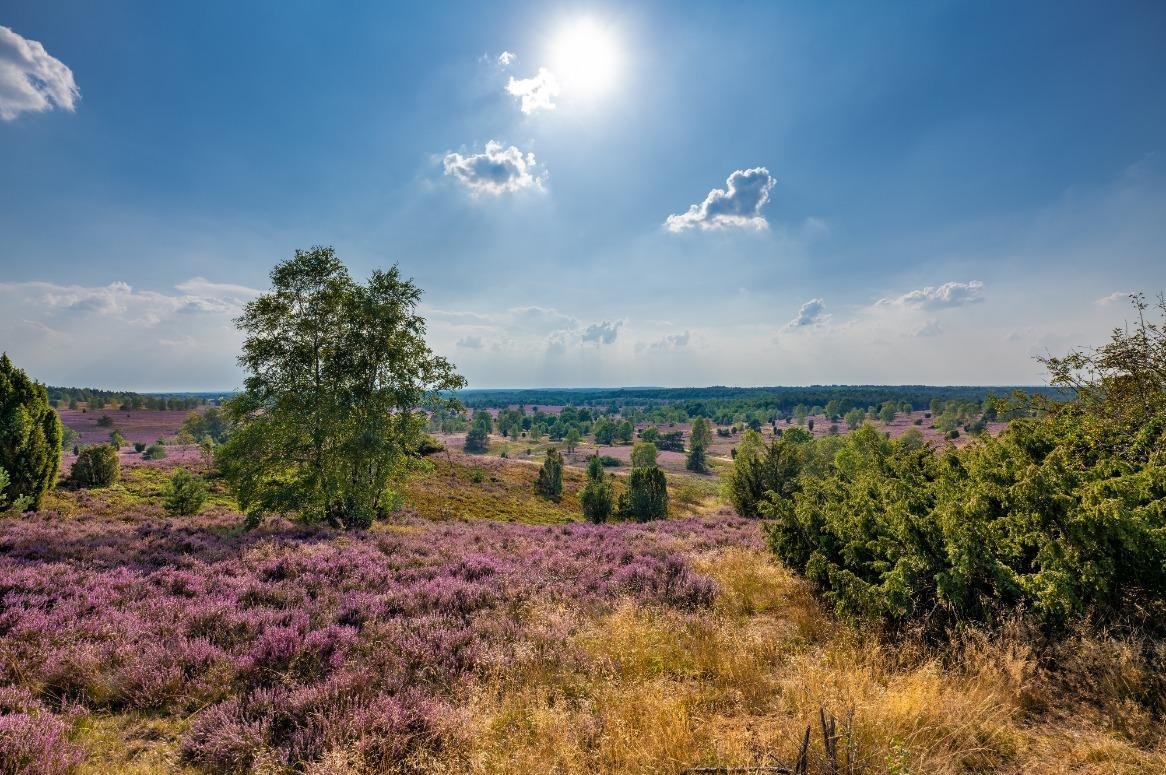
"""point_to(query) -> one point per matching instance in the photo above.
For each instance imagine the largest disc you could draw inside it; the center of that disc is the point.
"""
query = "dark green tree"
(646, 497)
(96, 466)
(549, 483)
(30, 436)
(698, 445)
(338, 374)
(596, 495)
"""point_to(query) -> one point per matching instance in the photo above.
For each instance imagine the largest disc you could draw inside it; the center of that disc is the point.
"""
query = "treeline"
(711, 401)
(1060, 518)
(92, 398)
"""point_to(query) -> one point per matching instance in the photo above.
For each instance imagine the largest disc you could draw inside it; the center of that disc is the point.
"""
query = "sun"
(585, 57)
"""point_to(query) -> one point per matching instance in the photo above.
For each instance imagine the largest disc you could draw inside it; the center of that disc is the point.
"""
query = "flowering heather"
(288, 643)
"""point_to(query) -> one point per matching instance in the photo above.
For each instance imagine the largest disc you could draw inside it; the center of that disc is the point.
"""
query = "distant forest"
(709, 401)
(92, 398)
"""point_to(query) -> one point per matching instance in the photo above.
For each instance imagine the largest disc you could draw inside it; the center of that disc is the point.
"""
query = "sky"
(589, 194)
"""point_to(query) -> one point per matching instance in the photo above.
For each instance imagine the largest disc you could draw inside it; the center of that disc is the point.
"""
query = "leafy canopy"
(338, 375)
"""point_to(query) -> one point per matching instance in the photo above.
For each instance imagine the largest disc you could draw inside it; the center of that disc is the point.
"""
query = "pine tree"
(30, 435)
(550, 476)
(596, 495)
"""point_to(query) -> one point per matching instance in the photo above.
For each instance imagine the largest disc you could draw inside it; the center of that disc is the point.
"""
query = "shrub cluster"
(1063, 516)
(96, 466)
(185, 494)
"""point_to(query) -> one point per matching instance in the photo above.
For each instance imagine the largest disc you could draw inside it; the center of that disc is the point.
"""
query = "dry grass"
(640, 690)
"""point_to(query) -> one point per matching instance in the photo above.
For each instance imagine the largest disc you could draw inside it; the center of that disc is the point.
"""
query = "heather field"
(466, 640)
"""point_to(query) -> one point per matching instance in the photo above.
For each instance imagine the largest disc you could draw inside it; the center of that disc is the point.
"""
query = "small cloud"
(506, 58)
(602, 333)
(31, 81)
(738, 205)
(496, 171)
(470, 342)
(1116, 296)
(950, 294)
(669, 342)
(811, 313)
(537, 93)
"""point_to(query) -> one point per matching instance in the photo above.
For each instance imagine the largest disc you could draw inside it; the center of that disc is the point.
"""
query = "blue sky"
(920, 192)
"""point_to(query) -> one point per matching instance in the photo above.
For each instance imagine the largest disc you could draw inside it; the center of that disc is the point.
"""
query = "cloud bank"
(32, 81)
(737, 205)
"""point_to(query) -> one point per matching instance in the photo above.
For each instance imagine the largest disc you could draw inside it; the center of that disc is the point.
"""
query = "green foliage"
(30, 435)
(185, 494)
(596, 496)
(338, 375)
(104, 421)
(624, 432)
(760, 472)
(69, 437)
(699, 441)
(573, 439)
(672, 441)
(646, 497)
(605, 431)
(139, 446)
(549, 483)
(477, 440)
(644, 454)
(854, 418)
(1063, 516)
(155, 451)
(211, 422)
(96, 466)
(116, 440)
(18, 503)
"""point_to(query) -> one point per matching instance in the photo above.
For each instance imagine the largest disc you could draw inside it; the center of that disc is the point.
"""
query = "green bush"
(30, 435)
(477, 440)
(646, 497)
(96, 466)
(185, 494)
(596, 495)
(550, 476)
(139, 446)
(155, 451)
(1062, 517)
(18, 503)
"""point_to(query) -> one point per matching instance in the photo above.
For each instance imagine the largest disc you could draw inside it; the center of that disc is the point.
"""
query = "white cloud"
(811, 313)
(738, 205)
(506, 58)
(470, 342)
(32, 81)
(1112, 298)
(497, 170)
(602, 333)
(951, 294)
(665, 343)
(537, 93)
